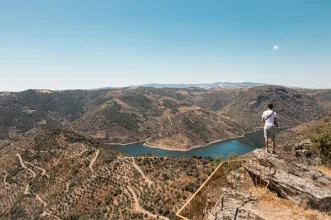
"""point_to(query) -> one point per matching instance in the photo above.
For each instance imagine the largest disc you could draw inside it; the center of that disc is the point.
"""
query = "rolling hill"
(59, 174)
(164, 117)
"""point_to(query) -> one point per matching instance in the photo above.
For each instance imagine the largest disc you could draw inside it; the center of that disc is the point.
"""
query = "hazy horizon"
(146, 84)
(57, 45)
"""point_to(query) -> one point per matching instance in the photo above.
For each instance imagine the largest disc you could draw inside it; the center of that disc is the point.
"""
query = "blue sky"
(68, 44)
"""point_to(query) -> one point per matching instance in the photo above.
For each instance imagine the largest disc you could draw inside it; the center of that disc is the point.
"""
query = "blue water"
(238, 146)
(224, 148)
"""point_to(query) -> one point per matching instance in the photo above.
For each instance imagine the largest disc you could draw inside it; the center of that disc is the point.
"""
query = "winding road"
(43, 171)
(93, 160)
(42, 201)
(150, 182)
(26, 168)
(5, 178)
(138, 208)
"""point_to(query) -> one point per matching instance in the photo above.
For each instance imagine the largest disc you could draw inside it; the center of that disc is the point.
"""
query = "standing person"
(269, 119)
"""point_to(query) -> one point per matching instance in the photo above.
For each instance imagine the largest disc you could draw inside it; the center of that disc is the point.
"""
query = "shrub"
(17, 212)
(322, 139)
(232, 156)
(219, 158)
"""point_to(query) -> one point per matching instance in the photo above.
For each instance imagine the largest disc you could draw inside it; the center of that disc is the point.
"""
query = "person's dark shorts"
(269, 132)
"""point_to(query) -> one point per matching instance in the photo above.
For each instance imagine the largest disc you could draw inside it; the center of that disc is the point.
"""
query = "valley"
(238, 146)
(56, 161)
(59, 174)
(177, 119)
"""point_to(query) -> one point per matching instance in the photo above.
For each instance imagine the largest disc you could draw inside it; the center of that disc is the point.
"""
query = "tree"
(322, 139)
(232, 156)
(219, 158)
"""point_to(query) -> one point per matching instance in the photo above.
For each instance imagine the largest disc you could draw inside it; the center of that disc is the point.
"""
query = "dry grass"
(272, 207)
(188, 108)
(323, 169)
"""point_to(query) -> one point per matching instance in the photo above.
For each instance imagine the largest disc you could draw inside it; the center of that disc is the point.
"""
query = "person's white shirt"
(270, 121)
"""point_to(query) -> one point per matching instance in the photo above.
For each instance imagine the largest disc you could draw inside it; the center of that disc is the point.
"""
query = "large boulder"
(291, 180)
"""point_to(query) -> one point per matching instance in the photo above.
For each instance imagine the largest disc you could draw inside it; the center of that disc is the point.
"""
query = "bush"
(219, 158)
(232, 156)
(190, 187)
(74, 217)
(322, 139)
(17, 212)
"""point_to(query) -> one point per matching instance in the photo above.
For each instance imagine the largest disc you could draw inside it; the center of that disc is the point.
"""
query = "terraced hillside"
(62, 175)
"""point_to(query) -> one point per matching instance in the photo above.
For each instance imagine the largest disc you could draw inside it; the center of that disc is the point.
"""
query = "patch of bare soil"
(188, 108)
(176, 142)
(272, 207)
(100, 134)
(122, 104)
(46, 91)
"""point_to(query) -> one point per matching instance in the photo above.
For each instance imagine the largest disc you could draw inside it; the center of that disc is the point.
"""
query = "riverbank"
(219, 148)
(151, 145)
(121, 144)
(193, 147)
(145, 143)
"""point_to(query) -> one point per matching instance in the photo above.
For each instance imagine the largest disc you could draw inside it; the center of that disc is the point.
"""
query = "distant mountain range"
(204, 85)
(198, 85)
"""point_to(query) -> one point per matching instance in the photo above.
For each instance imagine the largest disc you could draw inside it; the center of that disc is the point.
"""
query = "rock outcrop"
(284, 177)
(236, 205)
(297, 182)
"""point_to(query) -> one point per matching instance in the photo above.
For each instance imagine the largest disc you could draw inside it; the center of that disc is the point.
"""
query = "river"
(238, 146)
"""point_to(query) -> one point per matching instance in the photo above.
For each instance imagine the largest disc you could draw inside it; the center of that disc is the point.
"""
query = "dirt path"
(5, 178)
(44, 203)
(168, 116)
(93, 160)
(43, 171)
(29, 150)
(138, 208)
(142, 173)
(19, 148)
(85, 149)
(27, 189)
(23, 165)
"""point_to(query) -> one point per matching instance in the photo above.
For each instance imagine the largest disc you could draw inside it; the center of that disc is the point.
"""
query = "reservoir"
(239, 146)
